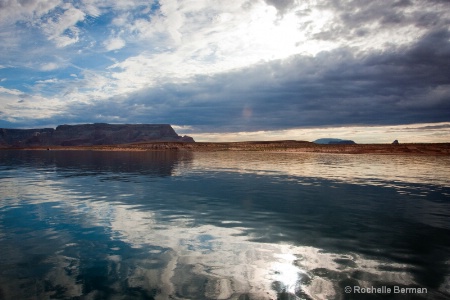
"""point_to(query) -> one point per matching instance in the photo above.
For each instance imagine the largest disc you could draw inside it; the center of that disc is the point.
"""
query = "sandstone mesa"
(90, 135)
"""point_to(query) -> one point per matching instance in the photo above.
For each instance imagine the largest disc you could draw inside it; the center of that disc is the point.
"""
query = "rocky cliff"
(90, 134)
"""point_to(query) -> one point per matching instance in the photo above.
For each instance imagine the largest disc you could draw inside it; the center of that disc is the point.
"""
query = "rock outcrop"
(90, 134)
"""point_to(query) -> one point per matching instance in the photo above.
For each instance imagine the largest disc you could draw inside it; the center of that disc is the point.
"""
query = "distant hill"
(90, 134)
(332, 141)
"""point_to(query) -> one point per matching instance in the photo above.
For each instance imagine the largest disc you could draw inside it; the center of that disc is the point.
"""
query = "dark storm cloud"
(358, 18)
(395, 86)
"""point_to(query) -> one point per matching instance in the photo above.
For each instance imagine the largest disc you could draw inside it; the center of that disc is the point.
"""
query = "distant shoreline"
(266, 146)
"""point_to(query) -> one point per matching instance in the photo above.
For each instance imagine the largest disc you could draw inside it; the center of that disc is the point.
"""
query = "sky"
(370, 71)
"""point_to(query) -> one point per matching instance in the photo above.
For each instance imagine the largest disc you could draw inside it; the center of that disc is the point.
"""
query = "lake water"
(223, 225)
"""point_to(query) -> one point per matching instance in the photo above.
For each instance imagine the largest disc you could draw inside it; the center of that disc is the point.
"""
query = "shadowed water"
(223, 225)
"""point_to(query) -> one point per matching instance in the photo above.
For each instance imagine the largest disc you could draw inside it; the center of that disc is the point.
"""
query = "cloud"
(12, 10)
(114, 44)
(49, 66)
(397, 86)
(61, 29)
(377, 25)
(335, 88)
(10, 91)
(53, 80)
(18, 106)
(281, 5)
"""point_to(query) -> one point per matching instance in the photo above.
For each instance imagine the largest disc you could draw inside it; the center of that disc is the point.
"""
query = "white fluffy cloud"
(12, 11)
(49, 66)
(17, 105)
(62, 29)
(114, 44)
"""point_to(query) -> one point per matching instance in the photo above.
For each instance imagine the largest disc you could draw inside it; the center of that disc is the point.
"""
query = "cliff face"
(90, 134)
(24, 137)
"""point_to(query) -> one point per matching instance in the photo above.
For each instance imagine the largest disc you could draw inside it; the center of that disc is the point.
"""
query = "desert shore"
(272, 146)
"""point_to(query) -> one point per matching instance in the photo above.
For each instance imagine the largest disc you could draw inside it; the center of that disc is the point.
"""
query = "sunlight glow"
(285, 272)
(232, 42)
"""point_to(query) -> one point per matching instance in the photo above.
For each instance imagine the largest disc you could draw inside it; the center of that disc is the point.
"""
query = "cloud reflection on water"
(369, 169)
(168, 236)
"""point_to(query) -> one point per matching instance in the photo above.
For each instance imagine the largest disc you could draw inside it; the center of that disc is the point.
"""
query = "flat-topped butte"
(90, 135)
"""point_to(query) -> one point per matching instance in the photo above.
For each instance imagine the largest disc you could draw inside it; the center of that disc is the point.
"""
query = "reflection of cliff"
(153, 163)
(90, 134)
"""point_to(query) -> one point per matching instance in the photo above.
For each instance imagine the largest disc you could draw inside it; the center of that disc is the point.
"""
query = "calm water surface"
(226, 225)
